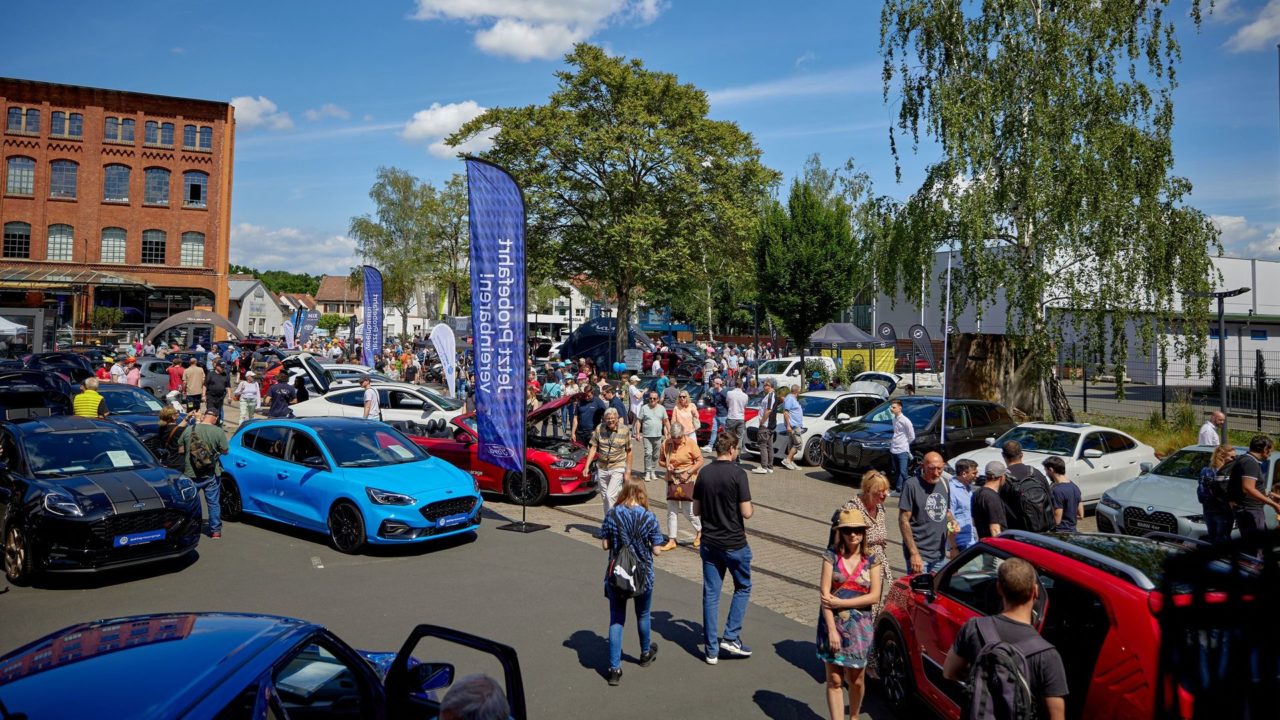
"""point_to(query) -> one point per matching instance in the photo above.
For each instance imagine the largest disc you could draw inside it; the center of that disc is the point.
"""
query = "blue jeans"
(212, 488)
(930, 566)
(900, 463)
(1219, 524)
(618, 618)
(717, 424)
(714, 564)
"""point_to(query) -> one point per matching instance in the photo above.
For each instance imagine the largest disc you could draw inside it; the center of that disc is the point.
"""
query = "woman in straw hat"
(850, 585)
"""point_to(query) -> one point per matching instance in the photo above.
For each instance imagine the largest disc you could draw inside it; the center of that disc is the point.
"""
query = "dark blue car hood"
(144, 424)
(124, 491)
(860, 431)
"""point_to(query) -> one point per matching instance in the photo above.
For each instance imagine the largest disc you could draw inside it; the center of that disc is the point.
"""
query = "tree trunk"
(987, 368)
(1059, 407)
(621, 336)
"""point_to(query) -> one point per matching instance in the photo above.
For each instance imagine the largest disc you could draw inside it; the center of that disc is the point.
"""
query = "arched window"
(62, 179)
(69, 125)
(192, 249)
(157, 187)
(195, 189)
(166, 134)
(22, 176)
(115, 183)
(113, 245)
(188, 136)
(33, 120)
(153, 242)
(61, 238)
(17, 240)
(206, 138)
(118, 130)
(151, 133)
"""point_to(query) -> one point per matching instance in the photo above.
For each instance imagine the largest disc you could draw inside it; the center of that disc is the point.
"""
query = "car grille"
(1154, 522)
(445, 508)
(1104, 524)
(137, 522)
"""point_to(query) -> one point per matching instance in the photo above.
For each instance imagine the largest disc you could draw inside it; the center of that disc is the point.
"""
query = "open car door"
(408, 687)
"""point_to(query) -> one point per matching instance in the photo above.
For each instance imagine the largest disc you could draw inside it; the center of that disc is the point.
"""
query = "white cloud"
(178, 50)
(291, 249)
(1262, 32)
(537, 29)
(439, 121)
(1241, 238)
(367, 117)
(864, 78)
(326, 110)
(805, 59)
(260, 112)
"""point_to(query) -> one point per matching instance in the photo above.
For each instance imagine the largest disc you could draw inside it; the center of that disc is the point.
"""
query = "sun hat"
(582, 376)
(852, 518)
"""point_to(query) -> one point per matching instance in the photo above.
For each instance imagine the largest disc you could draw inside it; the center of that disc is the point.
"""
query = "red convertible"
(554, 465)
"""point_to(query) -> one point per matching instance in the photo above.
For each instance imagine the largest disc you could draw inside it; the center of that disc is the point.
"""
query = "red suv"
(1097, 601)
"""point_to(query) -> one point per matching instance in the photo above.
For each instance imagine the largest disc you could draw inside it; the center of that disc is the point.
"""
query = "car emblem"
(1151, 509)
(139, 505)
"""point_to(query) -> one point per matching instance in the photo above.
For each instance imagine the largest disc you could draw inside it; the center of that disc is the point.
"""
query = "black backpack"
(1027, 499)
(998, 679)
(625, 576)
(203, 458)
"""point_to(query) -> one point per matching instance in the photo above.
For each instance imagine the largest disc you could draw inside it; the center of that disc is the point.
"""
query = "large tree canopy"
(1054, 183)
(627, 181)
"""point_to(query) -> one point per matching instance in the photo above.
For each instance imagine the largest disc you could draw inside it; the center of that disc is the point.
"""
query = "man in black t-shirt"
(215, 389)
(986, 506)
(1018, 586)
(722, 498)
(1245, 487)
(281, 396)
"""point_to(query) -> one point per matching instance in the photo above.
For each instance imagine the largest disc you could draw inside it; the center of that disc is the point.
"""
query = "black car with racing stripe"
(83, 495)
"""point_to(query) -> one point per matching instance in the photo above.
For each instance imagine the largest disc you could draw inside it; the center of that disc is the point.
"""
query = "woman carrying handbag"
(630, 524)
(682, 459)
(850, 585)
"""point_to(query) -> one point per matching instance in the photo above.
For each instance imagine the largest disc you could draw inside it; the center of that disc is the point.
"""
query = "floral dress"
(855, 627)
(877, 545)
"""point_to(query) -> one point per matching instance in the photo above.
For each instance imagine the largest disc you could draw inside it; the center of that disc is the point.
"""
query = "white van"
(786, 371)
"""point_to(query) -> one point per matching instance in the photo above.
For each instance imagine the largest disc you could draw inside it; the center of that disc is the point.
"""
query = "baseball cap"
(995, 469)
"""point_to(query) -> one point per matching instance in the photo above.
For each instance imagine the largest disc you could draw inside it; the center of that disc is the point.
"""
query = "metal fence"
(1253, 389)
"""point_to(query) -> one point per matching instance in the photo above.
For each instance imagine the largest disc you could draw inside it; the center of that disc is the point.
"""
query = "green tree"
(1054, 180)
(449, 242)
(106, 318)
(395, 239)
(330, 322)
(281, 281)
(626, 179)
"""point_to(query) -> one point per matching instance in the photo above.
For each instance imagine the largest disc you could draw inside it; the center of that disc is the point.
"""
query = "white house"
(253, 308)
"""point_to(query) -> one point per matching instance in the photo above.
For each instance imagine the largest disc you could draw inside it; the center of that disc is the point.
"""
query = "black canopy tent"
(194, 317)
(838, 336)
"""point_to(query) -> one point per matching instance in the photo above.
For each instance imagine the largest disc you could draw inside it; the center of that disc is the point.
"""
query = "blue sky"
(328, 91)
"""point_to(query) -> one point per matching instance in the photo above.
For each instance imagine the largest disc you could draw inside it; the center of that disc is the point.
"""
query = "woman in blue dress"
(850, 586)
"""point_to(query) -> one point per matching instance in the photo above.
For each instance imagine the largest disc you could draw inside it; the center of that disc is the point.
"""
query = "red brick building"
(111, 199)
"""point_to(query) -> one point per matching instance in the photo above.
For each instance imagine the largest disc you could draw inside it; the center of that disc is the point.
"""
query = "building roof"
(304, 300)
(38, 276)
(34, 91)
(337, 288)
(237, 288)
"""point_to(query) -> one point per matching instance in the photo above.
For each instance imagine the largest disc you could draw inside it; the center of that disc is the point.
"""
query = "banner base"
(521, 526)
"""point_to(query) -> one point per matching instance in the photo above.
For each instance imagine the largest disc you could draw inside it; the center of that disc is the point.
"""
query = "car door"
(459, 449)
(1099, 474)
(1125, 456)
(406, 405)
(254, 463)
(303, 481)
(958, 433)
(348, 403)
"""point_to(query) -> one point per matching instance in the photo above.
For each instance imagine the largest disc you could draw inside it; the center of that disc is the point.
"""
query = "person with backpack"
(1245, 488)
(631, 534)
(1026, 493)
(202, 445)
(1212, 494)
(849, 588)
(1010, 669)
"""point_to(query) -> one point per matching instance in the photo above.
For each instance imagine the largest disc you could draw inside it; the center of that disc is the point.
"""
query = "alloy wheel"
(528, 490)
(346, 528)
(17, 563)
(895, 679)
(231, 502)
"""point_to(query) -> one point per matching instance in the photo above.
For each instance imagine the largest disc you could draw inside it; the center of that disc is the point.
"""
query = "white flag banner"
(446, 346)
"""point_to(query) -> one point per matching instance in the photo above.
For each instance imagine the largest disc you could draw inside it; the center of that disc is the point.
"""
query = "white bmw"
(399, 401)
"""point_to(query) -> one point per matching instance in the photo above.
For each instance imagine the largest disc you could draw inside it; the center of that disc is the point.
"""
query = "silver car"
(1164, 499)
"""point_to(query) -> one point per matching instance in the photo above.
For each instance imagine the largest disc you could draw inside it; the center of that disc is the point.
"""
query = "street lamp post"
(1222, 295)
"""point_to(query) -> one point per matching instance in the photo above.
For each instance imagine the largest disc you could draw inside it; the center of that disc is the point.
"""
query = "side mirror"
(923, 584)
(315, 461)
(990, 441)
(1145, 467)
(1092, 453)
(426, 677)
(843, 417)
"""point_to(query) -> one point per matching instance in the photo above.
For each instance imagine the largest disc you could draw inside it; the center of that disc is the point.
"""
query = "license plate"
(139, 538)
(1145, 526)
(451, 520)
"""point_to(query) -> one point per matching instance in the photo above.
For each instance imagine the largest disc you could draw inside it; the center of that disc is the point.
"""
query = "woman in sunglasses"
(850, 585)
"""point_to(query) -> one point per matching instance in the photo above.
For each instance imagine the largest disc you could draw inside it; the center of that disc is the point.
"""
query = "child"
(1067, 507)
(849, 587)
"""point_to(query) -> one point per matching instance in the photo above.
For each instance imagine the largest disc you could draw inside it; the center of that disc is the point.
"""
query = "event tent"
(845, 335)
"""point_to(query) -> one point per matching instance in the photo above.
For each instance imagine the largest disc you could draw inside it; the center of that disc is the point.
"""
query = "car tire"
(531, 490)
(894, 667)
(346, 528)
(813, 452)
(17, 556)
(231, 501)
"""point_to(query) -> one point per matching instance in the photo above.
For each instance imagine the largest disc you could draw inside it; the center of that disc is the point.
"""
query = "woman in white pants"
(249, 395)
(682, 460)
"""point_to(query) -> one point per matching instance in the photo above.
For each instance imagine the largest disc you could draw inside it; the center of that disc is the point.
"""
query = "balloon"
(619, 366)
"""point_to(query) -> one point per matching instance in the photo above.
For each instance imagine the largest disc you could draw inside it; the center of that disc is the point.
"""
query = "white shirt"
(657, 364)
(903, 433)
(1209, 434)
(637, 398)
(117, 373)
(371, 401)
(737, 402)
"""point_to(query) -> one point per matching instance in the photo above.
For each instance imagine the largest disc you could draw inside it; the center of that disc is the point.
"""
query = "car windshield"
(774, 367)
(126, 402)
(100, 449)
(1042, 440)
(814, 405)
(444, 402)
(1183, 464)
(372, 446)
(919, 413)
(319, 371)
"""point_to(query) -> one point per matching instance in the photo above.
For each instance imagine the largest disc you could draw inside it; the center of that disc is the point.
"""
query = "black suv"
(855, 446)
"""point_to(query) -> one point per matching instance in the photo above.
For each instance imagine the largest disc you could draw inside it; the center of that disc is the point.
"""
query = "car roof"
(381, 386)
(315, 423)
(59, 423)
(107, 388)
(1076, 426)
(1139, 561)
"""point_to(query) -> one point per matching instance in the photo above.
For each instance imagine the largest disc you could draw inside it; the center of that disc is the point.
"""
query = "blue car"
(355, 480)
(228, 666)
(134, 407)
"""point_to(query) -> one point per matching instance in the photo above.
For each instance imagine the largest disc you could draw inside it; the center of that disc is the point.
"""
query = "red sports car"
(554, 465)
(1097, 602)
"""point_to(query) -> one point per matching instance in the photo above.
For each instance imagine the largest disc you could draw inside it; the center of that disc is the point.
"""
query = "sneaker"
(215, 536)
(770, 471)
(711, 659)
(761, 471)
(671, 545)
(789, 465)
(646, 659)
(615, 676)
(735, 648)
(705, 448)
(894, 493)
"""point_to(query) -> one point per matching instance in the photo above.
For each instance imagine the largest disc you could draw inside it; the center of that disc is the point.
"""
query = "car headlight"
(186, 488)
(1108, 501)
(62, 504)
(382, 497)
(565, 464)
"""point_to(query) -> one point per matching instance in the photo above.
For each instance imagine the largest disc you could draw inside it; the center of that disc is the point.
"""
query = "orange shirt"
(683, 457)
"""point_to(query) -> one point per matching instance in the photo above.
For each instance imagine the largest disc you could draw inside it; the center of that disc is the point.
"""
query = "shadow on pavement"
(685, 633)
(120, 576)
(322, 540)
(780, 707)
(591, 530)
(802, 655)
(592, 649)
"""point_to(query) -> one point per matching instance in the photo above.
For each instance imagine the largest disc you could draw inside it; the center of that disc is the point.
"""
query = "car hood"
(863, 431)
(982, 456)
(556, 446)
(1174, 493)
(427, 480)
(143, 424)
(124, 491)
